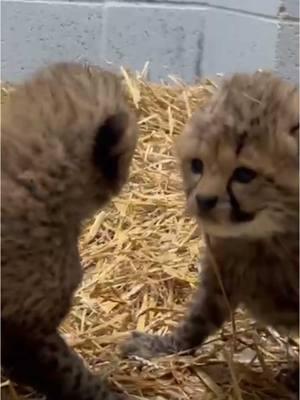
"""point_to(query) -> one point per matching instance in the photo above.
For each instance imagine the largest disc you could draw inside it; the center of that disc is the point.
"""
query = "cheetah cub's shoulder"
(240, 169)
(68, 137)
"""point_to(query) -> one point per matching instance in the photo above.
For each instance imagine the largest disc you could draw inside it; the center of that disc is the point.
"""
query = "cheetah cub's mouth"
(239, 159)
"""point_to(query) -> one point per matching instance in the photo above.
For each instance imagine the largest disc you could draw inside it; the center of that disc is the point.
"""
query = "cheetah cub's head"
(87, 112)
(239, 158)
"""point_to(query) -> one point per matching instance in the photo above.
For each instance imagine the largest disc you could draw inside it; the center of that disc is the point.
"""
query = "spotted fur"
(68, 138)
(239, 162)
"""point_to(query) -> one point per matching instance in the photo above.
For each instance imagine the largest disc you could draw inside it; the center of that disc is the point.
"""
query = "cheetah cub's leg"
(51, 367)
(207, 313)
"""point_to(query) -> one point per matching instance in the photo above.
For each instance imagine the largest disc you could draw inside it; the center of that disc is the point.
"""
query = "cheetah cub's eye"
(243, 175)
(197, 166)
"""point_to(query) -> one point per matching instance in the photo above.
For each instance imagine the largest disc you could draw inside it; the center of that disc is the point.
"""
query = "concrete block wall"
(188, 38)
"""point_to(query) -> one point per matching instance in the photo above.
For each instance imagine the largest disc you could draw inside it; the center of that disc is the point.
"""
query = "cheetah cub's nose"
(206, 203)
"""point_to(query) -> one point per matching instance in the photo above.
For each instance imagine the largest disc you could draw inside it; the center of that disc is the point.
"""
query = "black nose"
(206, 203)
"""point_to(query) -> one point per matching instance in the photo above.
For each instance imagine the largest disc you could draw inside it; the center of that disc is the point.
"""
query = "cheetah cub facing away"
(239, 161)
(68, 138)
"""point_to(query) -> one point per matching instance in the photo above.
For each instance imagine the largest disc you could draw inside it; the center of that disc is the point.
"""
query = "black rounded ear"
(108, 136)
(294, 129)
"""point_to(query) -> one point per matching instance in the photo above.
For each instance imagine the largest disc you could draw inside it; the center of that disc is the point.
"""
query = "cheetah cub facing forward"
(68, 138)
(239, 161)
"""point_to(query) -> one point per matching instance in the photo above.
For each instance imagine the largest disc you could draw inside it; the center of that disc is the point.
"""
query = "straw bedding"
(141, 256)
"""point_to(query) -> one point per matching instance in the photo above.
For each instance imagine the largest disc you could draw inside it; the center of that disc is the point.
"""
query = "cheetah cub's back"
(68, 137)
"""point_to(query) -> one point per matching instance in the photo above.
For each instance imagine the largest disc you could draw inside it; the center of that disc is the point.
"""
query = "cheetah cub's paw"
(289, 377)
(147, 346)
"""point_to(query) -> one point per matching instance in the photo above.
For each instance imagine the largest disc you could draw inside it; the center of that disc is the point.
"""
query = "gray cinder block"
(170, 38)
(238, 42)
(287, 51)
(34, 34)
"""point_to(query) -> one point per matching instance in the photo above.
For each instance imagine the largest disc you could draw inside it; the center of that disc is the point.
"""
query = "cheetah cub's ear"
(108, 138)
(115, 142)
